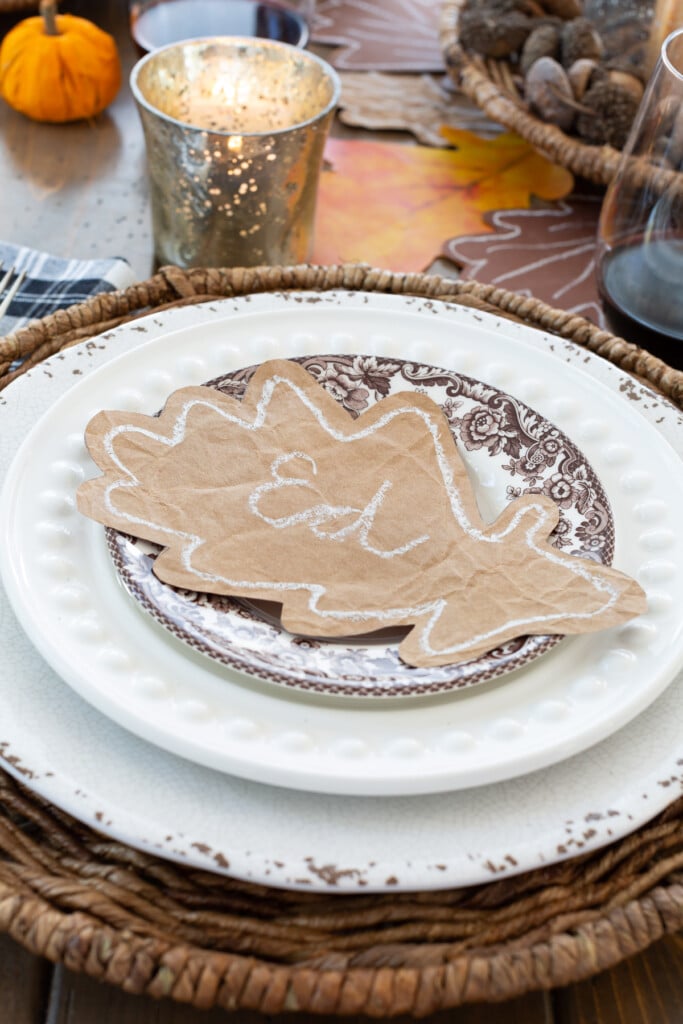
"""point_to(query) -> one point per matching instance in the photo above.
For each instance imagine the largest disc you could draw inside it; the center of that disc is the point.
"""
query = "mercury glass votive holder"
(234, 133)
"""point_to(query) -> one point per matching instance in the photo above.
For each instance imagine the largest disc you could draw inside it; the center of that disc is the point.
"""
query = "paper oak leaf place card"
(351, 525)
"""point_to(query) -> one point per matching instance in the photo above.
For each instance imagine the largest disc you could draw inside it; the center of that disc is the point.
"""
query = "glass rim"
(666, 60)
(237, 42)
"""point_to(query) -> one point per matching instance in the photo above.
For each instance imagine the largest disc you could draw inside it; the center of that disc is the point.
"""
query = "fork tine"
(18, 281)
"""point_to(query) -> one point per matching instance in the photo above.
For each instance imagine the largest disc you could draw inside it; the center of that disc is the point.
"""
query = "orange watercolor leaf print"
(394, 206)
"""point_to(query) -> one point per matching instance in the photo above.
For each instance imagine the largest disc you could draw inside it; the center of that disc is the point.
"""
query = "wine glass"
(156, 23)
(640, 233)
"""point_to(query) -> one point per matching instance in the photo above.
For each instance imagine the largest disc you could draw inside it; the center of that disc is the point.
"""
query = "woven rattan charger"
(153, 927)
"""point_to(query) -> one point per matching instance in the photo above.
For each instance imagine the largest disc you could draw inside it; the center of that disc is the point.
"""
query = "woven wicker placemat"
(154, 927)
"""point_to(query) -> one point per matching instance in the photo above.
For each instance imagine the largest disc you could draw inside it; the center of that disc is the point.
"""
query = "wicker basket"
(488, 83)
(154, 927)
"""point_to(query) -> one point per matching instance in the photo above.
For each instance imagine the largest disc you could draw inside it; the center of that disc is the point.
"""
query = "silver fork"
(13, 288)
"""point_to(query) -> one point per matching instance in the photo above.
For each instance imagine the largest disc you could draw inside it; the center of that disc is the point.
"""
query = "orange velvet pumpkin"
(58, 67)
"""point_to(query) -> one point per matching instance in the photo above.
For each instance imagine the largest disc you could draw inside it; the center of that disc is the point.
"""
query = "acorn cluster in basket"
(558, 65)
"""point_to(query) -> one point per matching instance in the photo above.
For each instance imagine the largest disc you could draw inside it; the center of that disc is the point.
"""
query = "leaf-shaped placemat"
(547, 252)
(386, 36)
(391, 205)
(419, 104)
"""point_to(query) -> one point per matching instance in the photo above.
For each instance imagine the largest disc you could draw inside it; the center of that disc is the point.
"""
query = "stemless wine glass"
(158, 23)
(640, 234)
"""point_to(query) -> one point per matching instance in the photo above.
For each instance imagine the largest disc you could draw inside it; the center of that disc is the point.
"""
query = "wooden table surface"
(80, 190)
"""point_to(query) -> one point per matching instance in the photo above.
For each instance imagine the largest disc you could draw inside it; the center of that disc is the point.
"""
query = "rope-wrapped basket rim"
(476, 78)
(165, 930)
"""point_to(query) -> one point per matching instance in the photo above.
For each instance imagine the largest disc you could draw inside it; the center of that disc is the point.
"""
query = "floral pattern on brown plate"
(503, 441)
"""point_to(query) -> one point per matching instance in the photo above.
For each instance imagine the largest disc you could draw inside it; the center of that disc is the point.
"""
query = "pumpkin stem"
(48, 9)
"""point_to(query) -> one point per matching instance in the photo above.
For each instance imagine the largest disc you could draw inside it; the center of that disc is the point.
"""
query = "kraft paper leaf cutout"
(548, 253)
(393, 205)
(389, 36)
(420, 104)
(351, 524)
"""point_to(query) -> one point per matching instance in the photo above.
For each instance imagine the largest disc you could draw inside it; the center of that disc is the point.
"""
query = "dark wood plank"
(77, 999)
(647, 989)
(24, 984)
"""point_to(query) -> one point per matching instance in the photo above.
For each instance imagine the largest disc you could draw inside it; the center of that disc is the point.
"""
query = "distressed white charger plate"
(62, 748)
(62, 586)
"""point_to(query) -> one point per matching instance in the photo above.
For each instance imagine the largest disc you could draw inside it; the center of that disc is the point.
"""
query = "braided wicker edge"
(172, 286)
(470, 74)
(117, 915)
(64, 910)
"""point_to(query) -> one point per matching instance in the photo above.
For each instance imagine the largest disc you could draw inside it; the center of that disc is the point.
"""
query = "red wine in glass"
(170, 21)
(640, 234)
(641, 287)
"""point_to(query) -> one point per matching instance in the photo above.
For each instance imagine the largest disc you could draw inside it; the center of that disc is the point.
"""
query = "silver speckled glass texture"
(234, 131)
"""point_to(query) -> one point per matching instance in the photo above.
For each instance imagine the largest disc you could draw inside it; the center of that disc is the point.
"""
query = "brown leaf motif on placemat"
(388, 36)
(547, 253)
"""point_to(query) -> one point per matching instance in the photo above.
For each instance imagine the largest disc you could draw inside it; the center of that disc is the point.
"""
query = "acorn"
(548, 92)
(498, 7)
(565, 9)
(534, 10)
(630, 83)
(493, 35)
(543, 41)
(625, 62)
(580, 39)
(607, 114)
(580, 75)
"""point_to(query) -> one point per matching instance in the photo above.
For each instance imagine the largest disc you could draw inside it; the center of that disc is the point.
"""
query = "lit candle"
(235, 130)
(667, 16)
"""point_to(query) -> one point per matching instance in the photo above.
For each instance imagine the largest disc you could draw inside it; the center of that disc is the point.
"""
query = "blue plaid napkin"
(52, 283)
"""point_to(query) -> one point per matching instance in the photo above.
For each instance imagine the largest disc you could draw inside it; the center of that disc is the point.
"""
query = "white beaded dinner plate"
(62, 748)
(62, 585)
